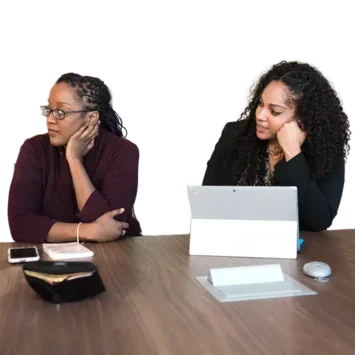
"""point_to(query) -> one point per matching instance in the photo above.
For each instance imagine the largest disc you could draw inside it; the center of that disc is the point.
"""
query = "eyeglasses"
(58, 114)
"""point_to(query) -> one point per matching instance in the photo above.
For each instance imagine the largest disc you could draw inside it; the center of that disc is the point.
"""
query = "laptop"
(244, 221)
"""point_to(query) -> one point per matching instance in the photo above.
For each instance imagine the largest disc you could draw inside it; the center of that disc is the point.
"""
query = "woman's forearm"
(66, 232)
(82, 183)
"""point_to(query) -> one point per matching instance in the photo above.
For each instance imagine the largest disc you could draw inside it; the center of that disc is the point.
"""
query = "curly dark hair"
(95, 96)
(316, 106)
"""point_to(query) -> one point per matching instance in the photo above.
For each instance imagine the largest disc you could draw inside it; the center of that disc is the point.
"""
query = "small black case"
(67, 290)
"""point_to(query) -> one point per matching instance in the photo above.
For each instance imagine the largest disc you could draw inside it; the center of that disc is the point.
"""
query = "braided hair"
(96, 97)
(316, 106)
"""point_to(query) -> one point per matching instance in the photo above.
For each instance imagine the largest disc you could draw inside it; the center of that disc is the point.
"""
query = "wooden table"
(154, 305)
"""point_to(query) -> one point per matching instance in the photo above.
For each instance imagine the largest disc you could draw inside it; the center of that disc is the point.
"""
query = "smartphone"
(23, 254)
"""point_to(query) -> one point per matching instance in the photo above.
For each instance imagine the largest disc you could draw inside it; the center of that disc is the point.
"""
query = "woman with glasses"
(80, 180)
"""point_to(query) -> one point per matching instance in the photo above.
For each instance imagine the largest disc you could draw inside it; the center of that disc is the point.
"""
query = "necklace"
(276, 152)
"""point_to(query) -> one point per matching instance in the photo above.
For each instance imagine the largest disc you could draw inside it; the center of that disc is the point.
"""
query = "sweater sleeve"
(26, 222)
(118, 189)
(318, 203)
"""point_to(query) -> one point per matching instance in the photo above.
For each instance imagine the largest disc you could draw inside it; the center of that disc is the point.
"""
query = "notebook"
(55, 279)
(64, 251)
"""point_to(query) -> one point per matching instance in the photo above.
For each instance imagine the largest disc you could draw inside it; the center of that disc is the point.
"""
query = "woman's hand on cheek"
(81, 142)
(291, 137)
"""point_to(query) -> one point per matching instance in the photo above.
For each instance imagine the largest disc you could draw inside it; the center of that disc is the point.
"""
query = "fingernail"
(122, 210)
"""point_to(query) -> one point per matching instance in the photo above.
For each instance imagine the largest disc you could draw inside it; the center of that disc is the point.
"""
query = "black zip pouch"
(59, 282)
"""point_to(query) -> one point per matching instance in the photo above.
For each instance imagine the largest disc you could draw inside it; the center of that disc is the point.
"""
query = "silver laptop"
(244, 221)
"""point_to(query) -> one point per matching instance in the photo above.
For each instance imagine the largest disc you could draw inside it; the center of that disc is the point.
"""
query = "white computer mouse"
(317, 270)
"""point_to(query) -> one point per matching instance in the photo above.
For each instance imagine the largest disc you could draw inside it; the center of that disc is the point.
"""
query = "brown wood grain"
(154, 305)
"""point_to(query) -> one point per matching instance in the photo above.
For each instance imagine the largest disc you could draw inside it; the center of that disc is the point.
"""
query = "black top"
(318, 201)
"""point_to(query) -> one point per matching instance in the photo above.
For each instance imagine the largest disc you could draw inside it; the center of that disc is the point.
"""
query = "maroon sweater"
(42, 191)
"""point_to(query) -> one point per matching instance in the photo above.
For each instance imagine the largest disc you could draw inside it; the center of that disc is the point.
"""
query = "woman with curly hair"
(292, 133)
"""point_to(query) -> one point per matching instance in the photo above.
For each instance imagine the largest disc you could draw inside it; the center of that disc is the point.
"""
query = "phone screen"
(22, 253)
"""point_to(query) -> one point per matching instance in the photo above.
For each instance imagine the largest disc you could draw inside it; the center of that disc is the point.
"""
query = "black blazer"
(318, 202)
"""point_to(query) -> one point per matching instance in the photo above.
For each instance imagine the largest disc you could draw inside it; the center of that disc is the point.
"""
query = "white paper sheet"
(246, 275)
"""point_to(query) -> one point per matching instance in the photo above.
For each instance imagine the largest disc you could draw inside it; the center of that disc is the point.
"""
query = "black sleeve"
(215, 164)
(318, 204)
